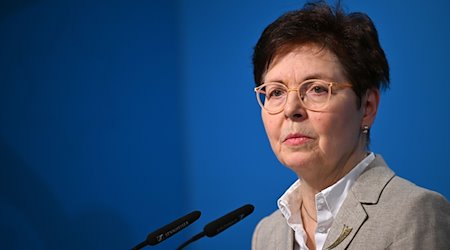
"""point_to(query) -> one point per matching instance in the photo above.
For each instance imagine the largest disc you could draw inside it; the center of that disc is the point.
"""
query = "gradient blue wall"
(117, 117)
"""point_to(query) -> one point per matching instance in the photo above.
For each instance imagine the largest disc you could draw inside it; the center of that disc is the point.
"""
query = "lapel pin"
(344, 233)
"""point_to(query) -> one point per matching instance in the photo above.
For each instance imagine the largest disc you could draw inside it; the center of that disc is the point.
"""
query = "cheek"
(272, 126)
(336, 130)
(322, 126)
(322, 123)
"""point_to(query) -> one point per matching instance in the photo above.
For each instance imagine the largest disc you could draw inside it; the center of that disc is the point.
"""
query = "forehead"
(305, 62)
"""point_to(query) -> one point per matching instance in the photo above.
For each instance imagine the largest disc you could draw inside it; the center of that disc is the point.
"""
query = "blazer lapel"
(280, 234)
(352, 215)
(289, 243)
(349, 219)
(284, 238)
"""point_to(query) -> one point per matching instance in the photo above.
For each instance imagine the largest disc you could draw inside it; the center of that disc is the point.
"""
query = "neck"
(315, 181)
(321, 176)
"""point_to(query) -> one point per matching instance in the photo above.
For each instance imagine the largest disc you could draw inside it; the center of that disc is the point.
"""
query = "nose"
(294, 108)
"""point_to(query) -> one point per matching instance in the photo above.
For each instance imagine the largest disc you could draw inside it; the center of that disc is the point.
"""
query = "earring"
(365, 129)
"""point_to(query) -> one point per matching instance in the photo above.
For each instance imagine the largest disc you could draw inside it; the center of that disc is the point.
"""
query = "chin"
(295, 163)
(300, 160)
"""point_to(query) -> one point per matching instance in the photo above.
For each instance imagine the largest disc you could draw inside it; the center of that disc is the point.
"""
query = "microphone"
(215, 227)
(168, 230)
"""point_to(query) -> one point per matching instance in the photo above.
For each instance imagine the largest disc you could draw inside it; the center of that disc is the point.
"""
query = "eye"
(317, 89)
(275, 92)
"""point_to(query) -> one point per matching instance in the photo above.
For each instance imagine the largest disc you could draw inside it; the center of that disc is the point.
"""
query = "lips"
(296, 139)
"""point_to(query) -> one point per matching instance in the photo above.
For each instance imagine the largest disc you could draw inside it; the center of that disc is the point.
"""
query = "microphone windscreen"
(224, 222)
(172, 228)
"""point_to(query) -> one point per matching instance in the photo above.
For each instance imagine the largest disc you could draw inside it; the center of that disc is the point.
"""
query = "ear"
(369, 106)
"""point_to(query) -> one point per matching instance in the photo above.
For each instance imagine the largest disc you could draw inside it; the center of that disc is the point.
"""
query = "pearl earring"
(365, 129)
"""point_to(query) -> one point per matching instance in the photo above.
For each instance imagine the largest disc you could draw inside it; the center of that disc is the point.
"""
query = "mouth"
(297, 139)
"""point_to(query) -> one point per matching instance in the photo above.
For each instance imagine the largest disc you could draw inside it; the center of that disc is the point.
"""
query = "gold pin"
(344, 233)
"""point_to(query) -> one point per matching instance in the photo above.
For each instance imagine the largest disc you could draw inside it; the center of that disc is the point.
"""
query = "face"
(325, 144)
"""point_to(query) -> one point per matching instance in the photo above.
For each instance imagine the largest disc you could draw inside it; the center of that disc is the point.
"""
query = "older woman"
(319, 73)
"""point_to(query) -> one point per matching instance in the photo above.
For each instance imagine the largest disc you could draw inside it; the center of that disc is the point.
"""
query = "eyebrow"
(308, 77)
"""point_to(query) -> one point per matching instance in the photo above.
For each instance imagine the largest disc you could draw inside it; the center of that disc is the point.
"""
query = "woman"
(318, 74)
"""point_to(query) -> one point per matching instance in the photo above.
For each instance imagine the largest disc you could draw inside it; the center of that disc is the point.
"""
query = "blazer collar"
(351, 216)
(283, 236)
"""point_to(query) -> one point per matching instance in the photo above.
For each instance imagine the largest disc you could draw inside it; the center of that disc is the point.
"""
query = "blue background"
(117, 117)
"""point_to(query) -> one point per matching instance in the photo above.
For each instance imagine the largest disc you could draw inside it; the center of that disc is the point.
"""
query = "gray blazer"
(381, 211)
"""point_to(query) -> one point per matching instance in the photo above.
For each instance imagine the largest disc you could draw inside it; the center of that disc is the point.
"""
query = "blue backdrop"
(117, 117)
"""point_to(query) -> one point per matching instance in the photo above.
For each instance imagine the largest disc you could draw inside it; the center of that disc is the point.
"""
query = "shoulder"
(379, 186)
(271, 231)
(394, 204)
(270, 223)
(412, 193)
(413, 200)
(425, 213)
(404, 194)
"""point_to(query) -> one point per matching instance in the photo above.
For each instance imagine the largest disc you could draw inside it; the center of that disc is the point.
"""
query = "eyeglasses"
(314, 94)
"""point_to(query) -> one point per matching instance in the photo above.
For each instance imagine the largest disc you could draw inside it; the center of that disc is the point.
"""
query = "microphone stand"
(224, 222)
(196, 237)
(140, 245)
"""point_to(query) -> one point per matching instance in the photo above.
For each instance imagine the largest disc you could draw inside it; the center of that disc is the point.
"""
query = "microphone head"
(172, 228)
(224, 222)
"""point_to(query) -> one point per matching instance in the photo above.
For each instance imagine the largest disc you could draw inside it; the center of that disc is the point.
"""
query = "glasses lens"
(315, 94)
(272, 97)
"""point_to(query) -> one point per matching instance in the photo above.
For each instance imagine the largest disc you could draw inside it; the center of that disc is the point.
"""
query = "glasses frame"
(331, 86)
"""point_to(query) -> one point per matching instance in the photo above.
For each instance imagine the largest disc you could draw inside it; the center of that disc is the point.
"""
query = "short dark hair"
(352, 37)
